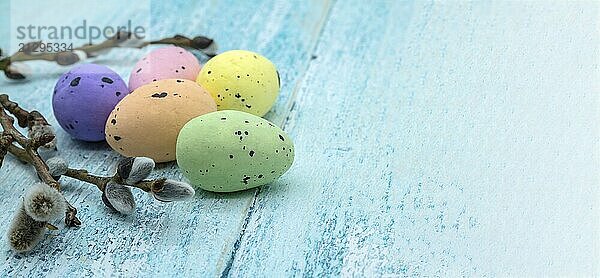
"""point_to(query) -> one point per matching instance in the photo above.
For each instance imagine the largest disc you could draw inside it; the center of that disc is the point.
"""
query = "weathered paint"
(431, 139)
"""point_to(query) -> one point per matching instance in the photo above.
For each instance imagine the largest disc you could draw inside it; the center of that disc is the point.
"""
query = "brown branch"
(12, 107)
(78, 174)
(206, 45)
(24, 117)
(28, 153)
(71, 219)
(38, 126)
(5, 141)
(19, 153)
(30, 147)
(7, 123)
(100, 182)
(83, 175)
(203, 44)
(35, 118)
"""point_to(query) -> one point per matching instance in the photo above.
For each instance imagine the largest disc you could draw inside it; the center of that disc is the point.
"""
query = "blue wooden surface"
(432, 139)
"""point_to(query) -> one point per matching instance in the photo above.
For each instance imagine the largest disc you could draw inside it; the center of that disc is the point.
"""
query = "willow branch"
(19, 153)
(30, 147)
(5, 141)
(14, 108)
(203, 44)
(101, 181)
(83, 175)
(29, 150)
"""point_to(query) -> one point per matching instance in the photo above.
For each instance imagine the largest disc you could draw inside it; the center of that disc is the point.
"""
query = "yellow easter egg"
(241, 80)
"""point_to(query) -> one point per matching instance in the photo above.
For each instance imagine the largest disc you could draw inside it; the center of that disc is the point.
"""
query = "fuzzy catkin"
(118, 197)
(39, 130)
(134, 169)
(57, 166)
(141, 169)
(174, 191)
(44, 203)
(24, 232)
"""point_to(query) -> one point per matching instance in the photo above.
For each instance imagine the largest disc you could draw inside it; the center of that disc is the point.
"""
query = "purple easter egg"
(84, 97)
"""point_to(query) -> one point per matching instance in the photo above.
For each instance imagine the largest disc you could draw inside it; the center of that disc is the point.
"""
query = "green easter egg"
(229, 150)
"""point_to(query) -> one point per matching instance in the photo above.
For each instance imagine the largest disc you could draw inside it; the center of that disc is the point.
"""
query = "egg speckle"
(164, 63)
(241, 80)
(147, 121)
(84, 97)
(230, 150)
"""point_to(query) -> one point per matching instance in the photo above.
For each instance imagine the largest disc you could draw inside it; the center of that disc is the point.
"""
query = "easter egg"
(84, 97)
(147, 121)
(241, 80)
(231, 150)
(164, 63)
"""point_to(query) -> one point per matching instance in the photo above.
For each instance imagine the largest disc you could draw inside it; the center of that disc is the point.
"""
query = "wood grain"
(439, 140)
(432, 139)
(192, 238)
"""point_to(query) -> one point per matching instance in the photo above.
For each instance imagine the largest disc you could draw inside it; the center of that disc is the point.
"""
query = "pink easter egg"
(164, 63)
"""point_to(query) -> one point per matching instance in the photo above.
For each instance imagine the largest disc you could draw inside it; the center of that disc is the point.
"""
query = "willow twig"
(14, 108)
(100, 181)
(29, 150)
(5, 141)
(83, 175)
(120, 40)
(25, 231)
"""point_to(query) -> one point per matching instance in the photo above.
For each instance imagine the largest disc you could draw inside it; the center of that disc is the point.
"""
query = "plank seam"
(291, 105)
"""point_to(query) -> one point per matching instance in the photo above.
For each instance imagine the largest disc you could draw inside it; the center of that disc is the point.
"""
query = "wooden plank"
(189, 239)
(439, 139)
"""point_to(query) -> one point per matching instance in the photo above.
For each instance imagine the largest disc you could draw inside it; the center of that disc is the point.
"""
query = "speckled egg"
(84, 97)
(147, 121)
(231, 150)
(241, 80)
(164, 63)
